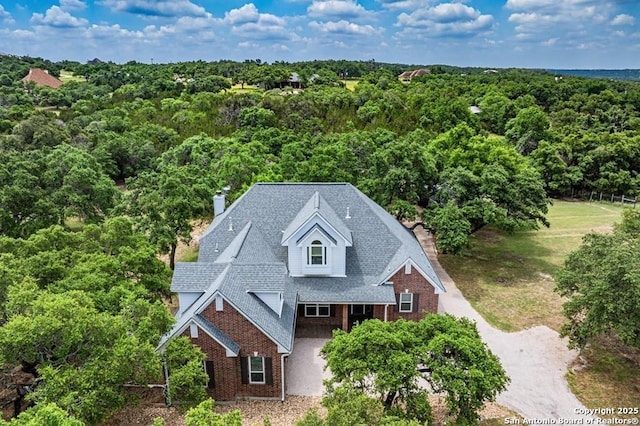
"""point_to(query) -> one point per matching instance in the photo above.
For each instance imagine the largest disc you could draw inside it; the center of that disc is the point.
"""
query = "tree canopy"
(601, 282)
(387, 360)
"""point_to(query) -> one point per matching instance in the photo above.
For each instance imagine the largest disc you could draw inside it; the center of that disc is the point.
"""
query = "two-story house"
(286, 256)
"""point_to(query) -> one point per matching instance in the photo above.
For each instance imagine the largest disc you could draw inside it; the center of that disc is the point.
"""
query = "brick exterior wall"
(227, 371)
(416, 284)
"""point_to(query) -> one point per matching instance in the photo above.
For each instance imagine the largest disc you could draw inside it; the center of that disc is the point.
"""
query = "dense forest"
(120, 148)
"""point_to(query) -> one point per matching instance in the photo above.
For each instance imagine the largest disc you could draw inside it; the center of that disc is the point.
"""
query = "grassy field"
(66, 76)
(351, 84)
(508, 278)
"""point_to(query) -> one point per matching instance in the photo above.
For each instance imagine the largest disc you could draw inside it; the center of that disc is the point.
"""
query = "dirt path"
(536, 359)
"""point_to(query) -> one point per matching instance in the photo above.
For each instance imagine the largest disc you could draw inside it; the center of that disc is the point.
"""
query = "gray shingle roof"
(317, 205)
(196, 277)
(247, 240)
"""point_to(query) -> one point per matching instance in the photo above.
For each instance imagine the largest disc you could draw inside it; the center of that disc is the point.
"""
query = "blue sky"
(495, 33)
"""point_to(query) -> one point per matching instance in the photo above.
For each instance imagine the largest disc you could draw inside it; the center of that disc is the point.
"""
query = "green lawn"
(509, 278)
(351, 84)
(66, 76)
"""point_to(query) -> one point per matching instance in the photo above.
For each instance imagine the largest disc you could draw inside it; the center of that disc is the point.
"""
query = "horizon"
(525, 34)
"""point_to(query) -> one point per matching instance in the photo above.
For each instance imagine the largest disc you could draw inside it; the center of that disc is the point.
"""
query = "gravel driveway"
(536, 359)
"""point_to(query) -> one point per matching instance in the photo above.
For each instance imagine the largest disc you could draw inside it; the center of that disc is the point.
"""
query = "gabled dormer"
(317, 240)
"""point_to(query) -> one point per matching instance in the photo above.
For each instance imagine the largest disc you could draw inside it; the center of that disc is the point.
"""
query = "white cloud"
(336, 9)
(247, 22)
(623, 19)
(164, 8)
(72, 5)
(5, 16)
(247, 13)
(529, 4)
(403, 4)
(344, 27)
(445, 20)
(56, 17)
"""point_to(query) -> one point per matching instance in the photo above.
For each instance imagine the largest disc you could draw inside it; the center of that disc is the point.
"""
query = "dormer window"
(316, 254)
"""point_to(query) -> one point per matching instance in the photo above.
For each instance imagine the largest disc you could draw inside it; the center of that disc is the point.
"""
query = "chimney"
(218, 203)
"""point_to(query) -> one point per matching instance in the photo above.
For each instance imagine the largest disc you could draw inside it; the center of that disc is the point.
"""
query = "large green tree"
(601, 281)
(483, 181)
(81, 316)
(387, 359)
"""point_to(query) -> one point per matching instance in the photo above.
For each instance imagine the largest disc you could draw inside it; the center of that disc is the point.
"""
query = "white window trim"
(410, 302)
(323, 255)
(317, 307)
(252, 372)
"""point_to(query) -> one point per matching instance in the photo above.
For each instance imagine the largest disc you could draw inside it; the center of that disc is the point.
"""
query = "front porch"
(318, 320)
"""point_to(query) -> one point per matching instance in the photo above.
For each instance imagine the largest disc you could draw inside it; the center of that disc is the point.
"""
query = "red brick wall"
(227, 373)
(335, 320)
(417, 284)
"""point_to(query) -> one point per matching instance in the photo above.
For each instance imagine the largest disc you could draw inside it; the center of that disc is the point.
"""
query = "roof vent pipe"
(218, 203)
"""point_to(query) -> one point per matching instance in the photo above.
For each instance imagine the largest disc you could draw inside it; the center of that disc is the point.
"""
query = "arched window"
(316, 254)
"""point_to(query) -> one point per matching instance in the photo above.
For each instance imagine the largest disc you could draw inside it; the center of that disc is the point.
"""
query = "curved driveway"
(535, 359)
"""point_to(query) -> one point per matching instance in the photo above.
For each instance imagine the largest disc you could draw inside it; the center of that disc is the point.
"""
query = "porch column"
(345, 317)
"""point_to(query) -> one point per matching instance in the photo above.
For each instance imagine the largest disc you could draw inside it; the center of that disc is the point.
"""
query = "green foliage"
(382, 358)
(82, 314)
(450, 226)
(203, 415)
(187, 378)
(602, 284)
(48, 414)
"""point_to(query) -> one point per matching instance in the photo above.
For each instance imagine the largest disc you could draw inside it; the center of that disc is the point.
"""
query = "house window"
(256, 369)
(357, 309)
(316, 310)
(316, 254)
(406, 302)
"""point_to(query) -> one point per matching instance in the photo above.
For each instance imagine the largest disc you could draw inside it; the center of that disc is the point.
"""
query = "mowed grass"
(612, 376)
(66, 76)
(351, 84)
(509, 278)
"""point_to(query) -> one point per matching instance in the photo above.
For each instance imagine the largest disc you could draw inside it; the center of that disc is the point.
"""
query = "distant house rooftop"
(409, 75)
(42, 78)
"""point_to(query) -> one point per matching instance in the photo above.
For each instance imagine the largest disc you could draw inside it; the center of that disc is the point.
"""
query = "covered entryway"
(359, 313)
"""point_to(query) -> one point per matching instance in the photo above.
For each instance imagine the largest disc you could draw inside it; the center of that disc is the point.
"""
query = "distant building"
(409, 75)
(42, 78)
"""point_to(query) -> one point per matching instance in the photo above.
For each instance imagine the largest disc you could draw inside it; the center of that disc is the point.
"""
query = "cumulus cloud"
(446, 19)
(344, 27)
(623, 19)
(5, 16)
(162, 8)
(249, 23)
(72, 5)
(328, 9)
(56, 17)
(403, 4)
(247, 13)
